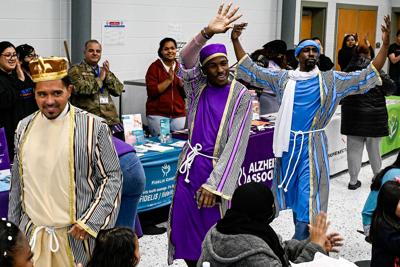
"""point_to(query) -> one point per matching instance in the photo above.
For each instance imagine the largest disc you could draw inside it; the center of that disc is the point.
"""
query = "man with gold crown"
(66, 178)
(219, 117)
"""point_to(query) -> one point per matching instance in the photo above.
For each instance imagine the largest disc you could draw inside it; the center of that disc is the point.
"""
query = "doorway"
(355, 19)
(313, 20)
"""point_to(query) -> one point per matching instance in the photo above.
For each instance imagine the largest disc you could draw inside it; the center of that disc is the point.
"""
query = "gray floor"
(344, 213)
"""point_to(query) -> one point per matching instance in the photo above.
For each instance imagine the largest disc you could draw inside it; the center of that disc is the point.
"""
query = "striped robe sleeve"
(356, 82)
(15, 200)
(223, 178)
(248, 71)
(104, 207)
(193, 79)
(190, 70)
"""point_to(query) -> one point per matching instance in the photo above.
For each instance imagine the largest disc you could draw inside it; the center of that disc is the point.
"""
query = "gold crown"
(48, 69)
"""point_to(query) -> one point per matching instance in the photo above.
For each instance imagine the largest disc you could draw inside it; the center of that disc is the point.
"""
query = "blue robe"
(315, 102)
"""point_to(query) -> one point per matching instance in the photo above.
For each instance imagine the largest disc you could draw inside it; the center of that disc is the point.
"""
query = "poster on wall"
(113, 32)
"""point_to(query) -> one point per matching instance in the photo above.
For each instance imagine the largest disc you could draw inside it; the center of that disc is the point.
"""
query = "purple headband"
(211, 51)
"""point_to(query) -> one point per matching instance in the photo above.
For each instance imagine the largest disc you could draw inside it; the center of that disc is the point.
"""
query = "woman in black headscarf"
(245, 238)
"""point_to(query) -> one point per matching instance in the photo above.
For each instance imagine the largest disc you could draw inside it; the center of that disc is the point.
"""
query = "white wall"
(148, 21)
(395, 3)
(44, 24)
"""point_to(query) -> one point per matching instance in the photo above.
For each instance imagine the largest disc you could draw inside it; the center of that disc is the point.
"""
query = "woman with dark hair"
(365, 119)
(26, 54)
(347, 51)
(165, 94)
(115, 247)
(14, 248)
(387, 174)
(385, 228)
(244, 236)
(16, 93)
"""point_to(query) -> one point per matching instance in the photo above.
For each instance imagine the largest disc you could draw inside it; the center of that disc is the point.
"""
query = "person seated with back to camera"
(244, 236)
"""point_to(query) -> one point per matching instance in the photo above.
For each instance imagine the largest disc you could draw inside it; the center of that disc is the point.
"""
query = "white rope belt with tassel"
(296, 133)
(191, 155)
(54, 244)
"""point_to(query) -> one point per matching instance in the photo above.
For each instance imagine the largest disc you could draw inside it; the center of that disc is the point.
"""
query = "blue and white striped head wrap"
(304, 44)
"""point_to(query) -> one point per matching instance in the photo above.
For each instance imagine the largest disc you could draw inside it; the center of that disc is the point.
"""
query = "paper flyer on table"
(133, 129)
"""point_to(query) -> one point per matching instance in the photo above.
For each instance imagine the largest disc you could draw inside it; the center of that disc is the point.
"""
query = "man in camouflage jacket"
(94, 85)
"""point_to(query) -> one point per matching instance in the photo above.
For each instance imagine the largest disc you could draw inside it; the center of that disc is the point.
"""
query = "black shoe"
(354, 186)
(153, 230)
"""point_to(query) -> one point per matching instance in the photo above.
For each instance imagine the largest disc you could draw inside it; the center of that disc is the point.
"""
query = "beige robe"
(47, 194)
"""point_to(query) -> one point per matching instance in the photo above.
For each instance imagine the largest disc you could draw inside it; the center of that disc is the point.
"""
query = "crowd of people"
(76, 184)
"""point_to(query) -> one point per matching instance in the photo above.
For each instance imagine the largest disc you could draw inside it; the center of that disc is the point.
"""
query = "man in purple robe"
(219, 118)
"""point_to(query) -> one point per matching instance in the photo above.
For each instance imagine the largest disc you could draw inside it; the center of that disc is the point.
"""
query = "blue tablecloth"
(160, 169)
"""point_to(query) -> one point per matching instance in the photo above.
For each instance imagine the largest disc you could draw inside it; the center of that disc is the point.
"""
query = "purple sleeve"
(121, 147)
(190, 53)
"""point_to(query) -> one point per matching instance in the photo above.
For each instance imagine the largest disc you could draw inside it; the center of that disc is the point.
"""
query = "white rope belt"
(191, 155)
(53, 241)
(296, 133)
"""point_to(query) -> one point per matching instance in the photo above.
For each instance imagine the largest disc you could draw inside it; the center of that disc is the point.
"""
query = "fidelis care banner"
(4, 157)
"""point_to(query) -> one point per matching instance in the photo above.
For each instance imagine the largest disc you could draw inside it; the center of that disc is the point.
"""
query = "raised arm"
(380, 59)
(237, 46)
(219, 24)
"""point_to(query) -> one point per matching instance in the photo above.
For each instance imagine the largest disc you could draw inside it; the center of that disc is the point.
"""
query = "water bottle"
(255, 105)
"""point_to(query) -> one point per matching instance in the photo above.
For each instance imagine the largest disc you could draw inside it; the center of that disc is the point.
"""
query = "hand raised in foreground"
(334, 240)
(318, 230)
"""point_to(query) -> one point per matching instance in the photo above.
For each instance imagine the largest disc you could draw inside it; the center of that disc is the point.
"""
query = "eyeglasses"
(9, 56)
(32, 56)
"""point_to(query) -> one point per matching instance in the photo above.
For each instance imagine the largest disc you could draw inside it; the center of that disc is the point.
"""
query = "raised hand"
(367, 43)
(333, 242)
(19, 71)
(237, 30)
(386, 30)
(223, 20)
(318, 230)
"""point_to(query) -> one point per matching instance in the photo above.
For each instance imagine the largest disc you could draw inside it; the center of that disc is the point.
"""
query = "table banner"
(160, 181)
(392, 141)
(4, 159)
(259, 161)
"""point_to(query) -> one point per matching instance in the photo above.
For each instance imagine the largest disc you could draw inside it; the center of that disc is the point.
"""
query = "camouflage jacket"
(92, 94)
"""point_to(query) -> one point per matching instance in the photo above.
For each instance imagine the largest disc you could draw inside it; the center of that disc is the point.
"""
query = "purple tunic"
(189, 224)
